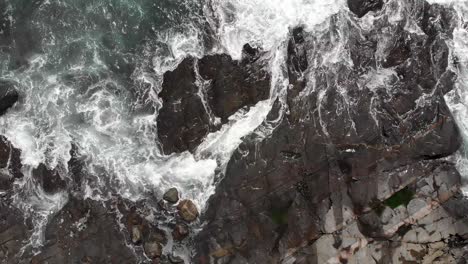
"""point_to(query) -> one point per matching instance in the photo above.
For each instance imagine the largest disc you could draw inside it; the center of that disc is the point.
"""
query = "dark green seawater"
(75, 32)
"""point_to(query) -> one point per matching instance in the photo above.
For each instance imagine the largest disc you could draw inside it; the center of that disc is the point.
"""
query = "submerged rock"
(171, 195)
(188, 210)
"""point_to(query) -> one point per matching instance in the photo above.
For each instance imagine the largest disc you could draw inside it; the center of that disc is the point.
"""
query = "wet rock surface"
(200, 95)
(357, 159)
(188, 210)
(171, 195)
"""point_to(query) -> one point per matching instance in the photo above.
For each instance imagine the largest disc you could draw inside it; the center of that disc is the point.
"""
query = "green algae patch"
(402, 197)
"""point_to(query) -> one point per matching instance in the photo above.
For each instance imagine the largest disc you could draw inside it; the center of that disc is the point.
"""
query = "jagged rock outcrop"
(366, 119)
(200, 95)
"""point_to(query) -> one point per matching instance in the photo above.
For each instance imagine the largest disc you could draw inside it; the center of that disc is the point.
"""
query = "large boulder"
(200, 95)
(366, 118)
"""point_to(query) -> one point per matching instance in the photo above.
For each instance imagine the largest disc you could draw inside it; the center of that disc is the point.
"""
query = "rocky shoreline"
(357, 170)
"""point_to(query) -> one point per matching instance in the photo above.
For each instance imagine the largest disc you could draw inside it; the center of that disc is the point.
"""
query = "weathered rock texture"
(357, 158)
(200, 95)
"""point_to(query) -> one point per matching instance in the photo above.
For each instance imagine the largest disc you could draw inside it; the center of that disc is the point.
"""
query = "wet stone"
(188, 210)
(171, 195)
(180, 232)
(153, 249)
(136, 234)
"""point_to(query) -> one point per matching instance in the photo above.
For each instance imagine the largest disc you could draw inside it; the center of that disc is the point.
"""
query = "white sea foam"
(266, 23)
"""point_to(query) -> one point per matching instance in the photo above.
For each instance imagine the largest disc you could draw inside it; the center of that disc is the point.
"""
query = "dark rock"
(180, 232)
(153, 249)
(50, 179)
(188, 210)
(182, 121)
(362, 7)
(13, 231)
(233, 84)
(136, 234)
(8, 95)
(171, 195)
(200, 95)
(85, 230)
